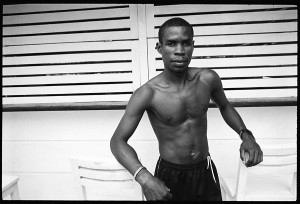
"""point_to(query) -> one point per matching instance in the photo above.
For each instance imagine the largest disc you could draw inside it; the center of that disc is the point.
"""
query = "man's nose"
(179, 49)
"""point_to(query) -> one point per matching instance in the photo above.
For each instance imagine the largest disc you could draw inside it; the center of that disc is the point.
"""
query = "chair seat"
(273, 188)
(109, 191)
(111, 196)
(10, 187)
(104, 179)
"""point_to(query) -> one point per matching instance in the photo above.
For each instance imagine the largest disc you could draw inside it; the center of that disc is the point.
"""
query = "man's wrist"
(248, 133)
(137, 171)
(142, 176)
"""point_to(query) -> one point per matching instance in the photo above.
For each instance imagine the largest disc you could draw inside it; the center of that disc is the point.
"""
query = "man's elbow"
(225, 106)
(115, 144)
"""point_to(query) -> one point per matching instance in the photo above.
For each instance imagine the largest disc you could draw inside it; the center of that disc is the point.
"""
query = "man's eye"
(170, 43)
(187, 43)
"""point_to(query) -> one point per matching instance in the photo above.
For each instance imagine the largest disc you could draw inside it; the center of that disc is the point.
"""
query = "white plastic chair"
(274, 179)
(104, 180)
(10, 187)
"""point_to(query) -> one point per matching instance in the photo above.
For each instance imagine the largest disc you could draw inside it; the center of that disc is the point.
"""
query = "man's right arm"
(135, 109)
(153, 188)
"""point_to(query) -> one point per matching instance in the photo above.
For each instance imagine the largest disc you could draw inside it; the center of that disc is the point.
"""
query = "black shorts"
(190, 182)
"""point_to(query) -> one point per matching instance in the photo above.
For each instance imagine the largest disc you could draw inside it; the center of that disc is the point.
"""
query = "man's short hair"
(171, 23)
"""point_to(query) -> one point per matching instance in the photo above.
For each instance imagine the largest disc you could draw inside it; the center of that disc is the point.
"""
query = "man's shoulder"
(141, 97)
(148, 89)
(154, 82)
(145, 90)
(204, 73)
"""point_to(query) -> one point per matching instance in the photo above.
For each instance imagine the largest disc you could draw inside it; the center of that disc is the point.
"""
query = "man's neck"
(178, 79)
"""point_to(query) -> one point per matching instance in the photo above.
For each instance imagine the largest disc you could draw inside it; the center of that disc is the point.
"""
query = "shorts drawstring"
(158, 164)
(209, 164)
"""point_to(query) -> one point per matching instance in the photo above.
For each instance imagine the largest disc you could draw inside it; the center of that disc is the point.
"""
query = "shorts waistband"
(202, 163)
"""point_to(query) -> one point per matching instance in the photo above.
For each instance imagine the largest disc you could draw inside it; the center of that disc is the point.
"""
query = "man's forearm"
(125, 155)
(232, 118)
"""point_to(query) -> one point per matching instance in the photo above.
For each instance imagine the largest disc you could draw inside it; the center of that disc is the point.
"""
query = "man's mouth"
(179, 62)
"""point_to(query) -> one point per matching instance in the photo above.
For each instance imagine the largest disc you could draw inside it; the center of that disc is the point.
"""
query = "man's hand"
(250, 151)
(153, 188)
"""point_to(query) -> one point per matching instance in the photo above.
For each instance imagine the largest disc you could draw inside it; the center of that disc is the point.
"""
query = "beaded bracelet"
(137, 171)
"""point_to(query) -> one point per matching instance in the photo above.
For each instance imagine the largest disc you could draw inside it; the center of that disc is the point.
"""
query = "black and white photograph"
(142, 102)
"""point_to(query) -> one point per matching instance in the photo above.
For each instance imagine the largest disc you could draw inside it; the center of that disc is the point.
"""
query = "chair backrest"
(108, 175)
(277, 159)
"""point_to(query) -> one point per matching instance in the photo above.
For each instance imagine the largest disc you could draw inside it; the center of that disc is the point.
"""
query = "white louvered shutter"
(56, 53)
(252, 47)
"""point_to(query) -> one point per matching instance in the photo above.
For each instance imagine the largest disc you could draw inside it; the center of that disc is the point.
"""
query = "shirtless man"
(176, 102)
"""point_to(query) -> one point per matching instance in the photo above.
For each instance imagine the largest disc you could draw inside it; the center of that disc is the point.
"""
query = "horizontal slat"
(66, 16)
(250, 38)
(262, 102)
(67, 27)
(105, 175)
(255, 72)
(68, 47)
(79, 37)
(118, 184)
(61, 186)
(267, 82)
(67, 58)
(193, 8)
(81, 68)
(240, 94)
(280, 149)
(243, 50)
(25, 8)
(75, 89)
(64, 79)
(273, 170)
(279, 160)
(238, 29)
(241, 61)
(65, 99)
(251, 28)
(111, 192)
(96, 163)
(238, 39)
(67, 106)
(267, 49)
(117, 105)
(233, 17)
(261, 93)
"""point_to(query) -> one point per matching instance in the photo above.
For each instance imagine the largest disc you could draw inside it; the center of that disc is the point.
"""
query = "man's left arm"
(234, 120)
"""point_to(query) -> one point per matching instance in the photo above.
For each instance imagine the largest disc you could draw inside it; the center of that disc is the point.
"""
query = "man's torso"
(178, 117)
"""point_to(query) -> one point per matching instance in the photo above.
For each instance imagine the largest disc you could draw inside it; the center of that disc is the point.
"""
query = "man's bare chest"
(179, 106)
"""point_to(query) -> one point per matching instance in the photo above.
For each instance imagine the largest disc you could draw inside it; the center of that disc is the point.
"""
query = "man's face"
(176, 48)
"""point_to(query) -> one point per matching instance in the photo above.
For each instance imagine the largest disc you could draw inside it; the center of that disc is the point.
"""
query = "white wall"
(36, 145)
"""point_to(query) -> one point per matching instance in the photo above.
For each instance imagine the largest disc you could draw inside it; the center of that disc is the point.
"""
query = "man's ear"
(158, 47)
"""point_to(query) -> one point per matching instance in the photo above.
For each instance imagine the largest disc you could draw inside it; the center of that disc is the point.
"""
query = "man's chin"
(179, 69)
